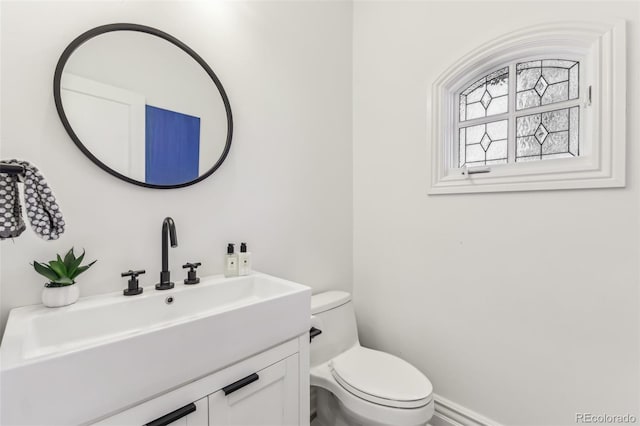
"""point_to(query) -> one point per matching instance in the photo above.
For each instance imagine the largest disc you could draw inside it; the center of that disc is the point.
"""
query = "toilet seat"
(353, 403)
(381, 378)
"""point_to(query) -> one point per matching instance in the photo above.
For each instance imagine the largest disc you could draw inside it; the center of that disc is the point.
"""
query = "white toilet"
(356, 386)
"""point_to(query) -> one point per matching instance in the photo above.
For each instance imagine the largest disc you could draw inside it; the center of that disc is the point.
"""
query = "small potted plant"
(61, 273)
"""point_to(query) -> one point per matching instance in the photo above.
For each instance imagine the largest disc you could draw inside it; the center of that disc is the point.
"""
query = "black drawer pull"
(240, 384)
(313, 332)
(173, 416)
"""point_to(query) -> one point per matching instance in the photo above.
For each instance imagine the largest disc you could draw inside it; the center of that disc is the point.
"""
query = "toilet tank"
(332, 312)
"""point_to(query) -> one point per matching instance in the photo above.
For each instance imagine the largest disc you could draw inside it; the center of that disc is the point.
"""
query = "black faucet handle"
(133, 274)
(191, 275)
(133, 288)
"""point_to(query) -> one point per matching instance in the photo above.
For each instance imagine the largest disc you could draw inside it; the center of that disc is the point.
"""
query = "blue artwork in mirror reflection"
(172, 147)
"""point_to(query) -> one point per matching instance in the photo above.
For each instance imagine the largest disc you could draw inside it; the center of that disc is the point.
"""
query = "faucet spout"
(168, 234)
(169, 224)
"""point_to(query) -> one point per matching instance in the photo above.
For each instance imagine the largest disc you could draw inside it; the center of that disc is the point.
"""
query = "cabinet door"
(271, 399)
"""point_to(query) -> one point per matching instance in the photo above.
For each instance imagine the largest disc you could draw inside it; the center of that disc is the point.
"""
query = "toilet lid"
(381, 378)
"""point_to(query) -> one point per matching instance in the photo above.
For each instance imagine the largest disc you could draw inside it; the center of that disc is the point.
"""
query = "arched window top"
(538, 82)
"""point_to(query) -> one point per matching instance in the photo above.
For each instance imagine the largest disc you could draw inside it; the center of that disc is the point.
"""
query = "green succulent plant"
(62, 272)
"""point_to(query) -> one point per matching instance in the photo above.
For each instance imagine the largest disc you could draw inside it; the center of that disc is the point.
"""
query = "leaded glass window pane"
(486, 96)
(550, 132)
(484, 144)
(546, 82)
(547, 135)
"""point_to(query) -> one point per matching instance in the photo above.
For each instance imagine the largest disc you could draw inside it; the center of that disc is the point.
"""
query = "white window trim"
(604, 46)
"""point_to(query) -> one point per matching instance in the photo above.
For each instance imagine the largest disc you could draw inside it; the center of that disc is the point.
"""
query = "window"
(503, 112)
(483, 137)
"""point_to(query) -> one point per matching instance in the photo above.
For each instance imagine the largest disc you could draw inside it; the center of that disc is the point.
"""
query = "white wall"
(285, 187)
(520, 306)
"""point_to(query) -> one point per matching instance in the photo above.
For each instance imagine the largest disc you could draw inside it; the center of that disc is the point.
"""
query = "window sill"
(574, 173)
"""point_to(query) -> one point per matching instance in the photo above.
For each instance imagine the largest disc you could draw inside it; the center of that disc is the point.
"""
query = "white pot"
(54, 297)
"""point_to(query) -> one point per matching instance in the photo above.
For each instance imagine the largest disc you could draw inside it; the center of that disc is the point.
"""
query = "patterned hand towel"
(42, 211)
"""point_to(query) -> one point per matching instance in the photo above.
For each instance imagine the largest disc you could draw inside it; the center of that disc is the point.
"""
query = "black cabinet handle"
(173, 416)
(313, 332)
(240, 384)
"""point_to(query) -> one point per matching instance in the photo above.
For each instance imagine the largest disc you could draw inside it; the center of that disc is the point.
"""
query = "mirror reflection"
(145, 109)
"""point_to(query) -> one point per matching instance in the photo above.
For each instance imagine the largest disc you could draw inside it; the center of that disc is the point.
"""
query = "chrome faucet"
(168, 232)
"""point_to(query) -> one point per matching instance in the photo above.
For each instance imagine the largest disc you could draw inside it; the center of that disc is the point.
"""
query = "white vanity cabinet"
(103, 365)
(267, 397)
(270, 388)
(272, 399)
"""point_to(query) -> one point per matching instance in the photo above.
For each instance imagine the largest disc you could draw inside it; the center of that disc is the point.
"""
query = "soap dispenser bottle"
(231, 262)
(244, 260)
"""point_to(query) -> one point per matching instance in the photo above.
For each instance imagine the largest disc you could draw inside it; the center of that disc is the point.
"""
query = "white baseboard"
(448, 413)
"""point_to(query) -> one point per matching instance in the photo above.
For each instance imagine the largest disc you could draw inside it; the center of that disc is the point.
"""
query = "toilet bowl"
(358, 386)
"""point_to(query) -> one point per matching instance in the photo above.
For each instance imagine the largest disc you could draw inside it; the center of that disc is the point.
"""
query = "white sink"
(37, 331)
(78, 363)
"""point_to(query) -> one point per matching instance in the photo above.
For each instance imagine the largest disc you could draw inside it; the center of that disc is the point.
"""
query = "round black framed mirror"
(143, 106)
